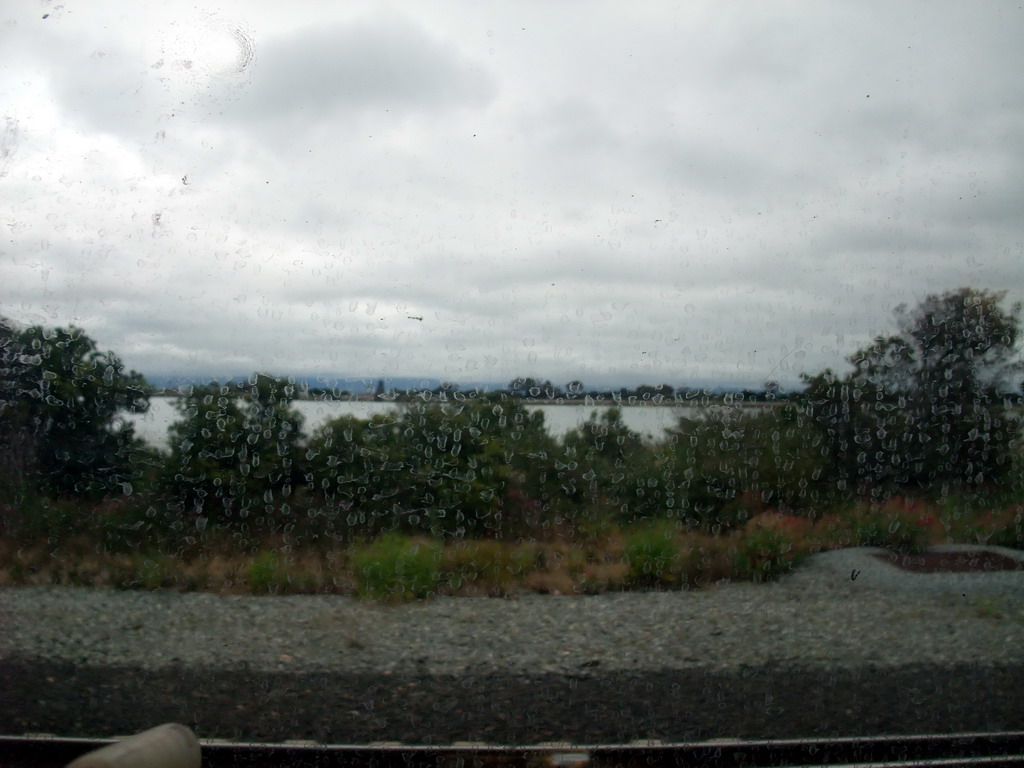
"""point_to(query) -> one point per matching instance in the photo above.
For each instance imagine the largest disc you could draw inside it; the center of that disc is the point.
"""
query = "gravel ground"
(848, 644)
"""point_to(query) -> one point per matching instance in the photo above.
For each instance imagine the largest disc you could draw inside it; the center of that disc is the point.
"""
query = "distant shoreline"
(567, 401)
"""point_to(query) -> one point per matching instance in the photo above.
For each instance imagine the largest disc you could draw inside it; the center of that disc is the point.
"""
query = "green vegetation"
(234, 453)
(896, 524)
(652, 554)
(926, 408)
(770, 547)
(489, 566)
(395, 567)
(468, 493)
(265, 573)
(59, 401)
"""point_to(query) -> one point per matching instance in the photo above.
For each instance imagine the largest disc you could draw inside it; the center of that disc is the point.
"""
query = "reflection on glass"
(693, 333)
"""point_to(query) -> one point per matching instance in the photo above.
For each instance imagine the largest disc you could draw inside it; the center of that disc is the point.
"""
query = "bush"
(265, 574)
(122, 524)
(1004, 528)
(737, 512)
(897, 524)
(704, 559)
(487, 564)
(730, 464)
(770, 546)
(984, 518)
(155, 572)
(235, 448)
(525, 558)
(598, 578)
(830, 532)
(652, 554)
(396, 567)
(34, 518)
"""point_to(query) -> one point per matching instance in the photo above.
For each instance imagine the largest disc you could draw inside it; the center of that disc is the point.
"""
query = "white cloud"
(650, 192)
(381, 64)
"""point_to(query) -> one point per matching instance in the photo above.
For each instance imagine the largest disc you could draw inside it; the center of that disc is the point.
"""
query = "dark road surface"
(42, 696)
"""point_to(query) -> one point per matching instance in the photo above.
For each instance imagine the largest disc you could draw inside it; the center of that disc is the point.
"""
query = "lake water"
(649, 420)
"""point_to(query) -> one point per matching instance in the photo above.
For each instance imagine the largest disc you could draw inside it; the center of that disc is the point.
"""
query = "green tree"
(521, 386)
(273, 432)
(355, 466)
(608, 469)
(729, 462)
(16, 446)
(471, 467)
(656, 393)
(61, 400)
(205, 468)
(235, 449)
(465, 467)
(926, 407)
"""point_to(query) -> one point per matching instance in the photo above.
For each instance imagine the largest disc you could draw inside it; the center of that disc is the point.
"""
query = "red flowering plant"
(830, 532)
(737, 512)
(900, 524)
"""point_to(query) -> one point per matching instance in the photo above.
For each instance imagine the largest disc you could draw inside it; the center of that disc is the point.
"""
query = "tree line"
(543, 391)
(925, 410)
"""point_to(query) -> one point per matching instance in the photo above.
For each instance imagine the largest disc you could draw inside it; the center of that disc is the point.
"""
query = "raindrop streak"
(8, 144)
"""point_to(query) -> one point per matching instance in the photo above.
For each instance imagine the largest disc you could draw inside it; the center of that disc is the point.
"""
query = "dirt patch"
(975, 561)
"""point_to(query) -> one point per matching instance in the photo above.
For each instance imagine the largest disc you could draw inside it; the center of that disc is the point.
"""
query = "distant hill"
(357, 385)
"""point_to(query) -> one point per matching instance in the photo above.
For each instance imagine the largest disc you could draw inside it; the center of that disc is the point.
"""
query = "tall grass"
(396, 567)
(652, 554)
(659, 554)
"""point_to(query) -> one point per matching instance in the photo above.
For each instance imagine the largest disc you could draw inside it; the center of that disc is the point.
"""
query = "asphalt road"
(681, 705)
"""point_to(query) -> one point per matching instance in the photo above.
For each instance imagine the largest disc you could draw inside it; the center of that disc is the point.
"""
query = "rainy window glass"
(512, 373)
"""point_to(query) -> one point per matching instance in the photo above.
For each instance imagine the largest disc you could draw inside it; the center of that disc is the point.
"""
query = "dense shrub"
(462, 468)
(31, 518)
(1007, 527)
(833, 531)
(396, 568)
(769, 546)
(926, 406)
(60, 403)
(486, 565)
(652, 554)
(736, 513)
(704, 559)
(155, 571)
(265, 574)
(731, 464)
(1001, 526)
(898, 524)
(608, 472)
(235, 450)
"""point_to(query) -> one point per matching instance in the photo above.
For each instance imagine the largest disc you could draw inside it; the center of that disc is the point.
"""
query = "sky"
(614, 192)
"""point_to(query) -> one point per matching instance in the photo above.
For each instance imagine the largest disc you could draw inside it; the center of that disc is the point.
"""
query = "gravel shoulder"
(847, 644)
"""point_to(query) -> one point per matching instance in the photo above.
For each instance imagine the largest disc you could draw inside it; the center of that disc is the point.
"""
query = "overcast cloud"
(617, 192)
